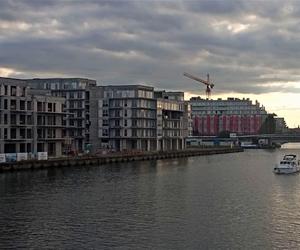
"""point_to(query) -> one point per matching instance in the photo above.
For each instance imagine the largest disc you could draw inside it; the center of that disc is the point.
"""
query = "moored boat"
(288, 165)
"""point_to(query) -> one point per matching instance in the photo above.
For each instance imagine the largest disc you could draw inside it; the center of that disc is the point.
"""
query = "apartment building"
(77, 107)
(126, 117)
(241, 116)
(135, 117)
(30, 121)
(173, 120)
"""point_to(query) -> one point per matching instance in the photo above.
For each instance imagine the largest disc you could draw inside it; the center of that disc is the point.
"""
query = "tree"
(269, 125)
(224, 134)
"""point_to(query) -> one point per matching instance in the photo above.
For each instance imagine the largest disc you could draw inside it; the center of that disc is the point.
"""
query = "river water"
(230, 201)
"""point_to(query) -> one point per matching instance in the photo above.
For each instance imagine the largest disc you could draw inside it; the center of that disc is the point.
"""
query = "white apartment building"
(134, 117)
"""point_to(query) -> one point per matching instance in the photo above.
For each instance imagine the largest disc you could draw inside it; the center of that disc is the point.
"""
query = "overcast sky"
(250, 48)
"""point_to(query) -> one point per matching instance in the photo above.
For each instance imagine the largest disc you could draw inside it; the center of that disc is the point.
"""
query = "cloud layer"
(246, 46)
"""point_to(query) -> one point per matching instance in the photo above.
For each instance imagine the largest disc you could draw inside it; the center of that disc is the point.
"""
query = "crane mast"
(209, 85)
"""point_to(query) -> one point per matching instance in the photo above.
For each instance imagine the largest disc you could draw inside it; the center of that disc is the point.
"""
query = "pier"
(113, 158)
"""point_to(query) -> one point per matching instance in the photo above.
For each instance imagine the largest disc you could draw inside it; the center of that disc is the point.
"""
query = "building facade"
(280, 125)
(30, 121)
(77, 107)
(126, 118)
(241, 116)
(66, 115)
(173, 120)
(135, 117)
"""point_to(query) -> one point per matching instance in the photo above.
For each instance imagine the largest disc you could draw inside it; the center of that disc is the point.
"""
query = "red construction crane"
(208, 83)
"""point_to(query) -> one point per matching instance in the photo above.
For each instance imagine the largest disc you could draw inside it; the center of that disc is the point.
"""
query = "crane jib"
(209, 85)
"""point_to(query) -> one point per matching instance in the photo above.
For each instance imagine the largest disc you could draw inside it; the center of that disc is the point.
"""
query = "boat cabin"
(289, 157)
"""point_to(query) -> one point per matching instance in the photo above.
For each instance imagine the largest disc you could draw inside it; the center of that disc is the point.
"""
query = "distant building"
(30, 121)
(77, 106)
(135, 117)
(280, 125)
(241, 116)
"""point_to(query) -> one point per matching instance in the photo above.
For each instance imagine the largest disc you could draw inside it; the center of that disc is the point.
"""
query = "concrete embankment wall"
(113, 158)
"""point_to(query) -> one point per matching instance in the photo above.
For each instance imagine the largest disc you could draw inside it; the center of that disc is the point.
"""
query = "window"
(22, 119)
(13, 119)
(5, 103)
(39, 106)
(51, 120)
(105, 122)
(13, 104)
(71, 104)
(28, 147)
(105, 112)
(51, 148)
(105, 103)
(125, 132)
(49, 107)
(134, 123)
(22, 133)
(134, 132)
(53, 86)
(125, 123)
(9, 148)
(134, 103)
(29, 133)
(23, 92)
(40, 147)
(51, 133)
(5, 118)
(22, 105)
(29, 105)
(13, 133)
(13, 91)
(41, 120)
(105, 132)
(41, 133)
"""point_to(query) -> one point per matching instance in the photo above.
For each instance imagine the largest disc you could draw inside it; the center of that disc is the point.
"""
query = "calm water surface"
(231, 201)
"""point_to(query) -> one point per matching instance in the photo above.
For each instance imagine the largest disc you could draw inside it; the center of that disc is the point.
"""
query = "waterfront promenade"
(114, 158)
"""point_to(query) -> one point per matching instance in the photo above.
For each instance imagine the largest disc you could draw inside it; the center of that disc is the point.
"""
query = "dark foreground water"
(222, 201)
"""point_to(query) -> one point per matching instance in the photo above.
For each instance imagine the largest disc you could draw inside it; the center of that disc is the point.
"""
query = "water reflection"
(291, 145)
(165, 204)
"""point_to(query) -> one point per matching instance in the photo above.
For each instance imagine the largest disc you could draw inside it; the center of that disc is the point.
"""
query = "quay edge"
(115, 158)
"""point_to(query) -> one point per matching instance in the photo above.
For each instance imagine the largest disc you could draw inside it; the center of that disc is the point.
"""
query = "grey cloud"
(217, 7)
(154, 42)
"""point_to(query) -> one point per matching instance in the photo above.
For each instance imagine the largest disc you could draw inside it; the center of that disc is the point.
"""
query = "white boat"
(288, 165)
